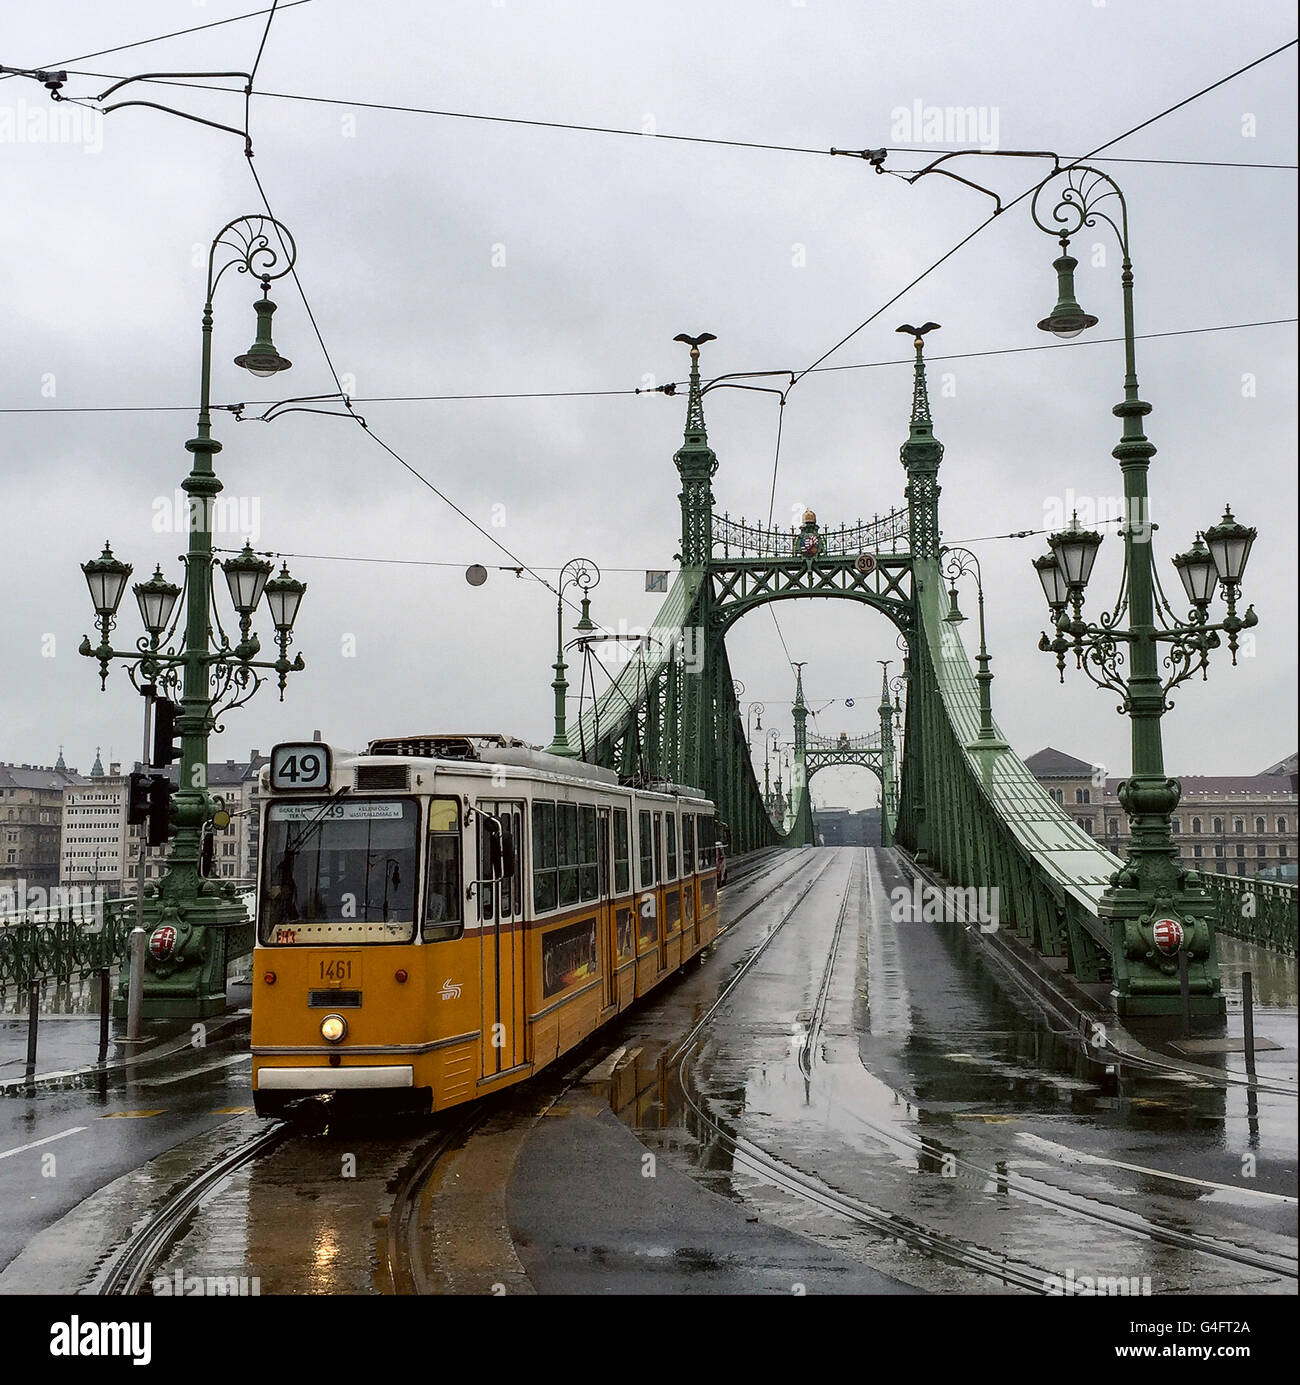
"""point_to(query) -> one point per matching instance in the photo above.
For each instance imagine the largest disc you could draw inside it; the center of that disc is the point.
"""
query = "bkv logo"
(450, 990)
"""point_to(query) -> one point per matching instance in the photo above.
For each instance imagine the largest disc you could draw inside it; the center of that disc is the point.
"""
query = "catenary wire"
(161, 38)
(597, 394)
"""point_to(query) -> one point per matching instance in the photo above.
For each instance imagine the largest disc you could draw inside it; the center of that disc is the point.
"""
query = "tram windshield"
(339, 871)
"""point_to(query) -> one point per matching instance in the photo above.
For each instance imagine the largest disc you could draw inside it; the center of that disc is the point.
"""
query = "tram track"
(134, 1261)
(823, 991)
(404, 1261)
(809, 1187)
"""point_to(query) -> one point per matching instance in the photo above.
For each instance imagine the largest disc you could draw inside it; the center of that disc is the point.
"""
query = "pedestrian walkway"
(68, 1035)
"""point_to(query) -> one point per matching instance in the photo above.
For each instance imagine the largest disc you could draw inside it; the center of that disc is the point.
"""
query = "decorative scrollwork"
(248, 242)
(1078, 204)
(766, 541)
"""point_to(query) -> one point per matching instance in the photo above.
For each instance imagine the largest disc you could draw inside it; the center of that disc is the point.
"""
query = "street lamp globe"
(1229, 544)
(284, 596)
(1067, 319)
(1076, 551)
(1053, 580)
(1196, 569)
(106, 577)
(262, 359)
(246, 576)
(156, 599)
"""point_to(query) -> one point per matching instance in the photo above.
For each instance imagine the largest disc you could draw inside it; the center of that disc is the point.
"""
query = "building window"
(1218, 851)
(1241, 850)
(1261, 851)
(1239, 824)
(1282, 852)
(1083, 795)
(1058, 796)
(1196, 825)
(1241, 867)
(1086, 824)
(1260, 829)
(1281, 824)
(1175, 824)
(1112, 826)
(1218, 824)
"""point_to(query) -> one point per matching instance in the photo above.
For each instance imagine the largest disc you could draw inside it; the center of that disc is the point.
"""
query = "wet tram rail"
(1093, 1210)
(133, 1264)
(399, 1249)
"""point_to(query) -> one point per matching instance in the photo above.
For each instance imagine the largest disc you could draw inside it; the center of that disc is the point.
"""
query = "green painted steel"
(1266, 912)
(962, 801)
(988, 823)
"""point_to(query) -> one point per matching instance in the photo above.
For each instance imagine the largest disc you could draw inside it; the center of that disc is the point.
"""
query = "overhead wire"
(965, 240)
(161, 38)
(678, 385)
(629, 132)
(338, 384)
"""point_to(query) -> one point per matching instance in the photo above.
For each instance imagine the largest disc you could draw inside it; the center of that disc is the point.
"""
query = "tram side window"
(622, 852)
(566, 823)
(646, 851)
(659, 847)
(588, 875)
(544, 854)
(706, 841)
(442, 894)
(688, 843)
(672, 846)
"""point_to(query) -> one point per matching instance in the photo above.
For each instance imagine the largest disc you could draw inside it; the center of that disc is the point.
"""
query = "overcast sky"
(449, 256)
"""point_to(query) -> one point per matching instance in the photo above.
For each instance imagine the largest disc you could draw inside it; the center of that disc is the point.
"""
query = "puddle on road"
(940, 1084)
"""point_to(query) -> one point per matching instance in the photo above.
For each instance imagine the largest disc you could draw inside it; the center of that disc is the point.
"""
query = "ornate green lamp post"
(186, 965)
(770, 743)
(1156, 908)
(583, 574)
(958, 563)
(756, 710)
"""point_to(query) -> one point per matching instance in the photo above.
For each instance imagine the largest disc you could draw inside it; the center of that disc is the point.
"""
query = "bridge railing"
(38, 946)
(1265, 912)
(977, 814)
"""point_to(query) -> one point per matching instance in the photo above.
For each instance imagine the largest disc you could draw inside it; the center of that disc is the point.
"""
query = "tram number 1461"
(336, 969)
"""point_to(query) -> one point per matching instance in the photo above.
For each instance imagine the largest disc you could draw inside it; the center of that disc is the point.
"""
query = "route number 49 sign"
(300, 765)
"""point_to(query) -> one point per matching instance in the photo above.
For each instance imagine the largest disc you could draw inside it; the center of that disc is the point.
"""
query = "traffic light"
(159, 816)
(165, 735)
(138, 800)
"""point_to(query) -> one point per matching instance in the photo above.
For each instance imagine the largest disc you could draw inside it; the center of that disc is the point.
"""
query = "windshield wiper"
(313, 826)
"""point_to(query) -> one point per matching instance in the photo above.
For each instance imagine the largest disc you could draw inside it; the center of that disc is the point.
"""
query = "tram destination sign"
(349, 810)
(300, 765)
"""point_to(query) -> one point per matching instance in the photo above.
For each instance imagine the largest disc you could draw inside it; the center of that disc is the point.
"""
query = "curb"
(161, 1049)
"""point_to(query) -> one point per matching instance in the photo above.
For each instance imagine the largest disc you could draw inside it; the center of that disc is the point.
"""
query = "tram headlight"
(333, 1029)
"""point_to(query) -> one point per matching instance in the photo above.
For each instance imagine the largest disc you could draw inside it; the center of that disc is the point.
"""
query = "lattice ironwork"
(745, 583)
(849, 540)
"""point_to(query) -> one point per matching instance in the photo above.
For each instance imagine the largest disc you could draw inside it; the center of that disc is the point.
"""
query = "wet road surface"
(873, 1107)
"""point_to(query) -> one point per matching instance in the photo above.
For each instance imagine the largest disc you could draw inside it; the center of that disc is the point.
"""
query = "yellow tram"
(444, 915)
